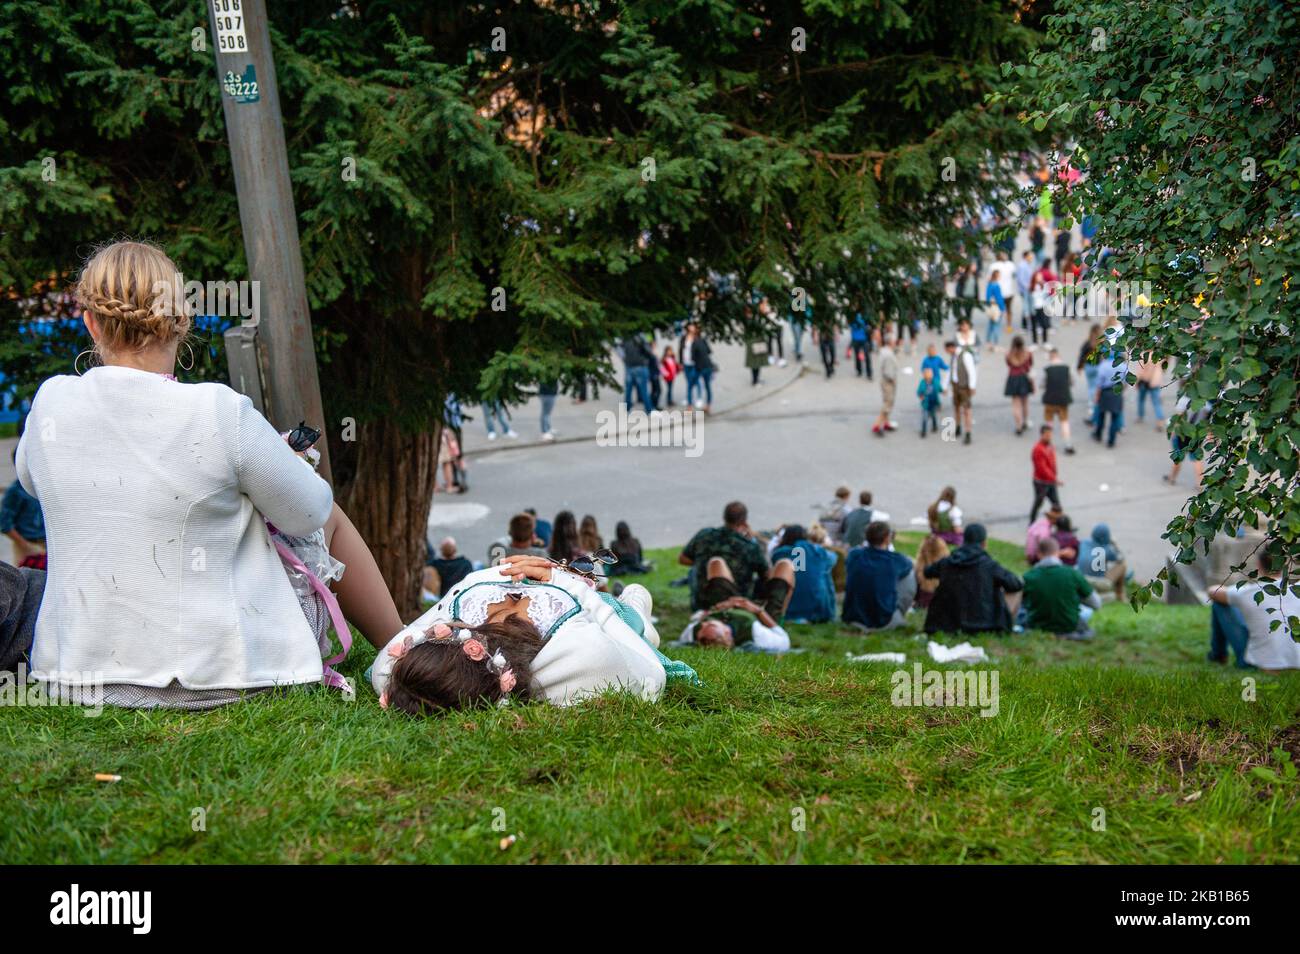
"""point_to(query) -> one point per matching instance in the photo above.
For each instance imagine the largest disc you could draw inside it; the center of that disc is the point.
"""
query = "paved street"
(784, 447)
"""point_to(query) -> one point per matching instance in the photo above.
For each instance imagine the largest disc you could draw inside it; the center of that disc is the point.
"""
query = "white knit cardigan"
(160, 564)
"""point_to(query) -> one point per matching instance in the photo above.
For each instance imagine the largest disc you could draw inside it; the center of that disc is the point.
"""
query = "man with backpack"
(962, 358)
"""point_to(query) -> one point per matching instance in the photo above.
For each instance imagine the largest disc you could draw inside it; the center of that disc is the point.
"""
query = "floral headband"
(408, 639)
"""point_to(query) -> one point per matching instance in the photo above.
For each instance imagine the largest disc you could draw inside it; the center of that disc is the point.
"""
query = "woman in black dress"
(1020, 361)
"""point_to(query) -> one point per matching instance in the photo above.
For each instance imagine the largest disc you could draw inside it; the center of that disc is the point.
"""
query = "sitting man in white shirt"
(1248, 626)
(732, 620)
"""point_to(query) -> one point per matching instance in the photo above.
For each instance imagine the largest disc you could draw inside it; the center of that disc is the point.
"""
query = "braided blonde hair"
(133, 290)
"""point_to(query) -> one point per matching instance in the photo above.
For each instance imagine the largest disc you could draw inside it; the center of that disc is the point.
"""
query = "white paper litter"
(877, 657)
(962, 652)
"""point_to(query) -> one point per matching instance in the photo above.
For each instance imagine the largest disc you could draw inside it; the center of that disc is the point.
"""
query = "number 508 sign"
(228, 15)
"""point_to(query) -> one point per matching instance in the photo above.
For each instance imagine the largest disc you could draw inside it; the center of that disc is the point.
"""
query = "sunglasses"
(302, 437)
(586, 565)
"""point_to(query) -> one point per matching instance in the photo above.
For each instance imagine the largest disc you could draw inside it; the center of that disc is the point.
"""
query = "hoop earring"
(76, 362)
(190, 366)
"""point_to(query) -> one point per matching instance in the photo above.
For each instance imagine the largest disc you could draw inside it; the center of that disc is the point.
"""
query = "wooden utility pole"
(280, 335)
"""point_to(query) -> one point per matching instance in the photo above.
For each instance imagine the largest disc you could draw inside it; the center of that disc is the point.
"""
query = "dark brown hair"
(878, 533)
(564, 536)
(522, 528)
(437, 675)
(589, 535)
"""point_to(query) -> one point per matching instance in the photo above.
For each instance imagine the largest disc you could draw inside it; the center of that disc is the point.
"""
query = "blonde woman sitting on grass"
(165, 587)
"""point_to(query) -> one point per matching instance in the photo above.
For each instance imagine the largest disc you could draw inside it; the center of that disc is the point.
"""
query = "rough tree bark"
(384, 477)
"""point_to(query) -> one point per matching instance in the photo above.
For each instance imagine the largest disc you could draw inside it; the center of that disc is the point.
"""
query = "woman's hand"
(523, 566)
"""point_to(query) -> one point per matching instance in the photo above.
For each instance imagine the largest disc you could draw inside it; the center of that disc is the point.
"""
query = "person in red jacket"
(1045, 479)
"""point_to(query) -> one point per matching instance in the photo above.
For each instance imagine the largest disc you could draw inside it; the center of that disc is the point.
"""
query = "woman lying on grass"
(528, 628)
(165, 586)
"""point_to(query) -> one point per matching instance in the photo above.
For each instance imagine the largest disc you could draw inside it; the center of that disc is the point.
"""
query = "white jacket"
(160, 565)
(590, 651)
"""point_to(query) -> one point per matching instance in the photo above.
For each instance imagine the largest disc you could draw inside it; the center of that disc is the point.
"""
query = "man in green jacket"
(1058, 598)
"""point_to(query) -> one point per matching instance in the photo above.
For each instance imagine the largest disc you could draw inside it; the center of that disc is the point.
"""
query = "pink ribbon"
(328, 675)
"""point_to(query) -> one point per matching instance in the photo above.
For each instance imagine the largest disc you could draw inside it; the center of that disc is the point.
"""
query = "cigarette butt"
(507, 841)
(105, 777)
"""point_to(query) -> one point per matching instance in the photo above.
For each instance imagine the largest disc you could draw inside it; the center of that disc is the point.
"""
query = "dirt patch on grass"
(547, 775)
(961, 757)
(1289, 739)
(799, 731)
(1182, 751)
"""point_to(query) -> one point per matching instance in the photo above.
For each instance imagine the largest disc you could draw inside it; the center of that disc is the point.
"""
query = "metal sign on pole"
(277, 346)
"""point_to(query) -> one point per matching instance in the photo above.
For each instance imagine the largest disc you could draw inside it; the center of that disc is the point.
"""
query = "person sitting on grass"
(565, 545)
(589, 538)
(20, 601)
(523, 538)
(817, 534)
(932, 550)
(445, 570)
(880, 585)
(944, 517)
(734, 543)
(1254, 622)
(813, 600)
(853, 528)
(1103, 563)
(732, 620)
(831, 515)
(525, 629)
(22, 522)
(541, 528)
(1058, 598)
(1040, 529)
(170, 588)
(975, 592)
(1067, 540)
(628, 550)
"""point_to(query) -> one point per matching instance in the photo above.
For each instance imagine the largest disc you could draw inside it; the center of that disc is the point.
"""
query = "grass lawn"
(1135, 724)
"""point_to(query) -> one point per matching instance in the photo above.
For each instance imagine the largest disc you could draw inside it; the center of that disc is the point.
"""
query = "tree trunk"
(388, 497)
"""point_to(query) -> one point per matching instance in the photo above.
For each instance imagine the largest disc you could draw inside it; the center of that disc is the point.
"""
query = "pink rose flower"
(507, 680)
(441, 630)
(474, 650)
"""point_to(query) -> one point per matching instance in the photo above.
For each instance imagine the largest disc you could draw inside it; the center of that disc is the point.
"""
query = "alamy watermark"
(75, 906)
(946, 687)
(55, 688)
(1088, 298)
(228, 299)
(673, 428)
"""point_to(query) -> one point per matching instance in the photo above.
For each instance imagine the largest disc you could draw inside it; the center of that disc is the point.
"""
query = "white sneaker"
(638, 597)
(548, 435)
(492, 435)
(512, 433)
(781, 363)
(699, 405)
